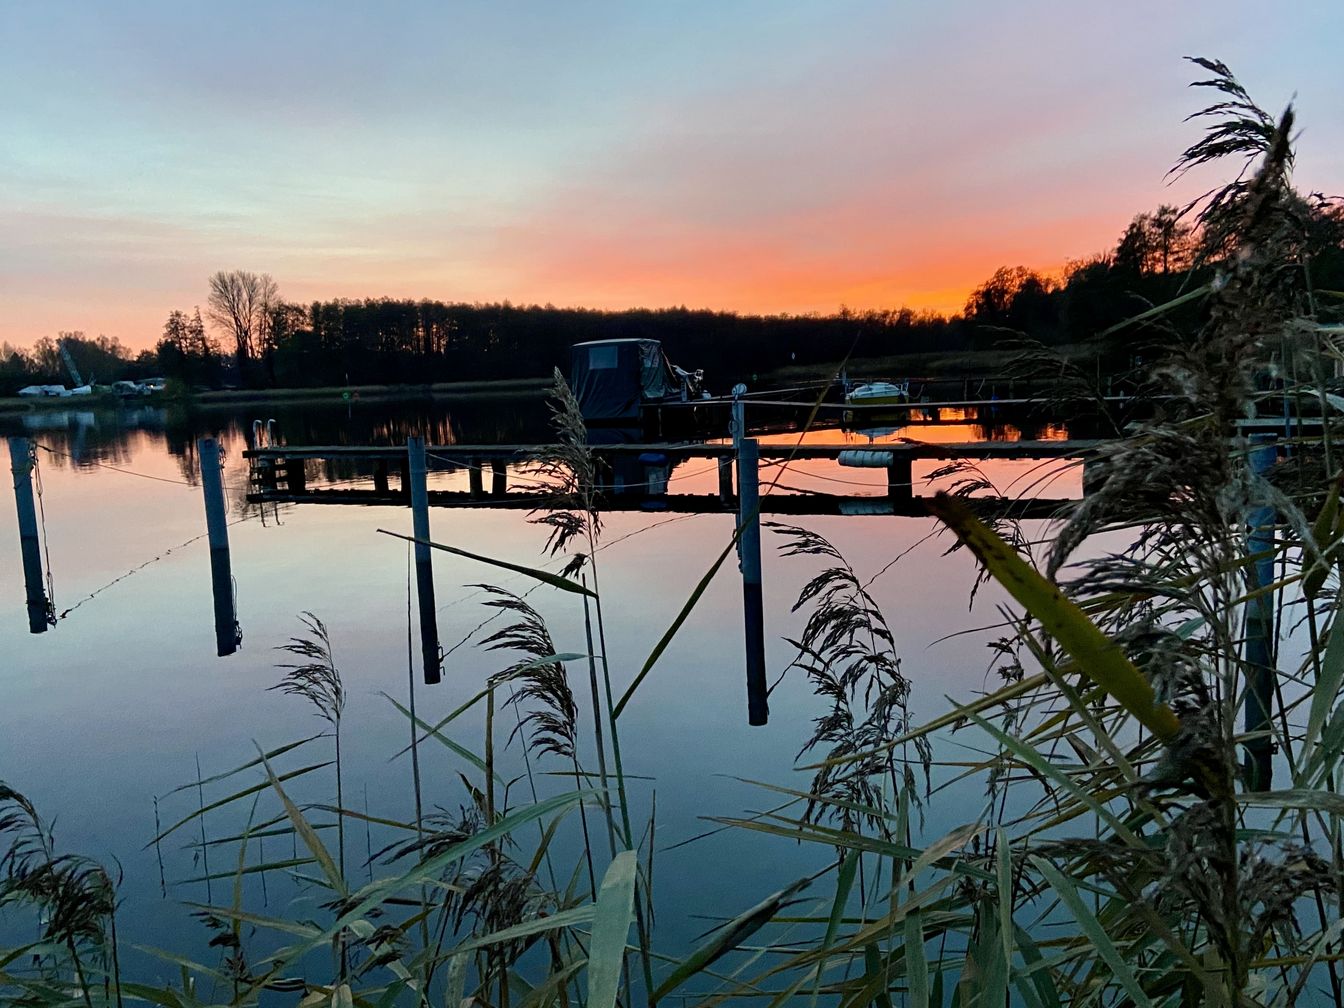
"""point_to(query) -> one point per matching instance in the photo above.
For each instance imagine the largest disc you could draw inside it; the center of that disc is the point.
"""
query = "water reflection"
(115, 707)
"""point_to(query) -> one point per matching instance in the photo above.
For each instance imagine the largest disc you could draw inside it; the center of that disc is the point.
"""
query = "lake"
(117, 702)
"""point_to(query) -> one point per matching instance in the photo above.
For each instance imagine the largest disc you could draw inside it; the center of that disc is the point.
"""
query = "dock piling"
(900, 476)
(749, 552)
(424, 571)
(1260, 628)
(475, 480)
(30, 546)
(725, 480)
(227, 635)
(499, 477)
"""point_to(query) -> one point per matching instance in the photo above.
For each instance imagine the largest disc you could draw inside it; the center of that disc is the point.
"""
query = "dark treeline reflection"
(89, 438)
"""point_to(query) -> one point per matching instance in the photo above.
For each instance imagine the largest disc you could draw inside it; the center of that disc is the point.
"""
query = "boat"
(879, 393)
(624, 382)
(875, 394)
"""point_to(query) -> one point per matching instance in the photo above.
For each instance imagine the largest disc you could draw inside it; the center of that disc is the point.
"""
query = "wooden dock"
(635, 476)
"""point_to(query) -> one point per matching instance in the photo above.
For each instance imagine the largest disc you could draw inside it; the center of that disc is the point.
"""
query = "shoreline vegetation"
(1159, 748)
(503, 388)
(931, 364)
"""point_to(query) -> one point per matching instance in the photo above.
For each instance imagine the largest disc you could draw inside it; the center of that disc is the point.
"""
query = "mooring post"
(227, 637)
(476, 479)
(749, 550)
(1260, 626)
(30, 546)
(424, 571)
(900, 475)
(499, 477)
(296, 475)
(737, 430)
(380, 476)
(725, 479)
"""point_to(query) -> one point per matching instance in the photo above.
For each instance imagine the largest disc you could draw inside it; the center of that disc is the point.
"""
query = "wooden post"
(380, 476)
(227, 634)
(749, 551)
(424, 571)
(1260, 628)
(30, 545)
(900, 476)
(475, 479)
(499, 477)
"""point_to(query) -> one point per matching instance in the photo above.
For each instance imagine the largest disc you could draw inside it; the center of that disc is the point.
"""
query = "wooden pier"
(635, 475)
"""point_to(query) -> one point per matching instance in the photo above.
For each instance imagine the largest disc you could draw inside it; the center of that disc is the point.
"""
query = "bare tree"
(241, 302)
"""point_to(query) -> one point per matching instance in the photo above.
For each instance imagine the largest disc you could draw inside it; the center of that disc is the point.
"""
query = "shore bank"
(503, 388)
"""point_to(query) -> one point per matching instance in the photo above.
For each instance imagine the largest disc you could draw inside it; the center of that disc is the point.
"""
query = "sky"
(748, 156)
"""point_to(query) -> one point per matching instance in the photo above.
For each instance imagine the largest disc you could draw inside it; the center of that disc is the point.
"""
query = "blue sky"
(750, 156)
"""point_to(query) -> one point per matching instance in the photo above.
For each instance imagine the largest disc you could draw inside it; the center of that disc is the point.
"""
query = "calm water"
(114, 705)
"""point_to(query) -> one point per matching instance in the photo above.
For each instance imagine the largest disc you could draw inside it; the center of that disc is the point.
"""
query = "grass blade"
(611, 928)
(555, 580)
(1095, 932)
(1097, 656)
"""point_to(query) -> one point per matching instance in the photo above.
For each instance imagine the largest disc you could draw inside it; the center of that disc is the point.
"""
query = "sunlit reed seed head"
(317, 680)
(552, 722)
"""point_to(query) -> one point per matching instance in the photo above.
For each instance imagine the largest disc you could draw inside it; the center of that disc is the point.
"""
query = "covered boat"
(879, 393)
(614, 380)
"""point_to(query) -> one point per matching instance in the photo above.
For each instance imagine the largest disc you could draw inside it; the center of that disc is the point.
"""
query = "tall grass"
(1132, 848)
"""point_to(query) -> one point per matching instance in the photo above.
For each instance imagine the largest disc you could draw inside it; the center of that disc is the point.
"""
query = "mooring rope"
(104, 465)
(172, 549)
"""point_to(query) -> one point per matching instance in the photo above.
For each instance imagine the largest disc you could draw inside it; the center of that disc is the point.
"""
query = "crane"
(81, 388)
(70, 364)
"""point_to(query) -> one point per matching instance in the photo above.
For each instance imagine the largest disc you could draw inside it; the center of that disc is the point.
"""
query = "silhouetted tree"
(1157, 242)
(241, 303)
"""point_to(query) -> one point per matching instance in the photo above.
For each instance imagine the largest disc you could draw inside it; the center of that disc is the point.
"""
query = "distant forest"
(251, 337)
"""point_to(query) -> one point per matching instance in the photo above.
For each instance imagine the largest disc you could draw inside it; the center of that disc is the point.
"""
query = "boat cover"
(612, 378)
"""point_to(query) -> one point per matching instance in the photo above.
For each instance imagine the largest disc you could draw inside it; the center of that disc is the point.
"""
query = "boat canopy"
(612, 378)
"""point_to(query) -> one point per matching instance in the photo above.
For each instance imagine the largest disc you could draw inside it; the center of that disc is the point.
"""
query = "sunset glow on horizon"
(759, 157)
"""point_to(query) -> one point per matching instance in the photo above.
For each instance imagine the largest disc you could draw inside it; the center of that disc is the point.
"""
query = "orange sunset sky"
(750, 156)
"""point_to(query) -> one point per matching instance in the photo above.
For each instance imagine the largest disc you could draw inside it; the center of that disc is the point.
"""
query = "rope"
(104, 465)
(237, 627)
(93, 594)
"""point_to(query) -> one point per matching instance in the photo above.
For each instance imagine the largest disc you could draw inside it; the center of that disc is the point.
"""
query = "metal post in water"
(737, 427)
(737, 430)
(900, 475)
(1260, 627)
(424, 571)
(749, 551)
(499, 478)
(725, 479)
(30, 545)
(227, 636)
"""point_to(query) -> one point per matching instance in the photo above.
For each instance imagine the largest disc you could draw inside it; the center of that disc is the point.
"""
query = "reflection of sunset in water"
(131, 673)
(1049, 478)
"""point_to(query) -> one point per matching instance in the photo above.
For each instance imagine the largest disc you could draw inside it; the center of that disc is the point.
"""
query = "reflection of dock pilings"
(753, 612)
(30, 547)
(227, 633)
(424, 571)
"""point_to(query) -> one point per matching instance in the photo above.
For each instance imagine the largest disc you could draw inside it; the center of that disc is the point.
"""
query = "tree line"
(249, 336)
